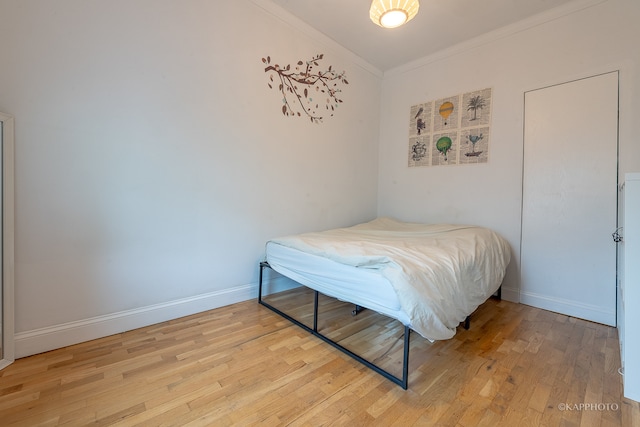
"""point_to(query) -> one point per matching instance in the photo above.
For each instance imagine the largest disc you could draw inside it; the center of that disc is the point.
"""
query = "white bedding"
(362, 286)
(440, 273)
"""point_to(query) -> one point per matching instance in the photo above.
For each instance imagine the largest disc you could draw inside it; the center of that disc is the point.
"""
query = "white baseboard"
(56, 336)
(510, 294)
(570, 308)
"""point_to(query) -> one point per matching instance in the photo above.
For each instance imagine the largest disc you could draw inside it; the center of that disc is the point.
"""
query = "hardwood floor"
(244, 365)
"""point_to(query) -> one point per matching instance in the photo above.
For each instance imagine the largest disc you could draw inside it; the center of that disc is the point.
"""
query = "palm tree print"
(476, 103)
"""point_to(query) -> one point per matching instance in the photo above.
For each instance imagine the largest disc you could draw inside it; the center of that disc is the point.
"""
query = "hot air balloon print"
(445, 110)
(444, 145)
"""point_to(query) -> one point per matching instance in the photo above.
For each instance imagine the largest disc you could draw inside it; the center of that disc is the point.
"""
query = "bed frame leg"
(467, 321)
(405, 364)
(263, 265)
(357, 310)
(315, 311)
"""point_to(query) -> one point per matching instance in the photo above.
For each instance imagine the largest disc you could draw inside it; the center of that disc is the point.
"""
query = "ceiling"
(440, 24)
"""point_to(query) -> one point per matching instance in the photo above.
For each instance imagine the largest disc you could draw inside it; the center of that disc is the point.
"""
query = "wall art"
(451, 131)
(307, 89)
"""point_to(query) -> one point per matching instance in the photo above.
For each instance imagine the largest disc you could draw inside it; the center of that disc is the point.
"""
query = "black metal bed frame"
(402, 382)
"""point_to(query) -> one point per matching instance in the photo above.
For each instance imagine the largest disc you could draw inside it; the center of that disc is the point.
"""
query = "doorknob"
(617, 237)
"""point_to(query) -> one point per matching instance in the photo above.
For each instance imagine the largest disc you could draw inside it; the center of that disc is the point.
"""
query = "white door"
(570, 181)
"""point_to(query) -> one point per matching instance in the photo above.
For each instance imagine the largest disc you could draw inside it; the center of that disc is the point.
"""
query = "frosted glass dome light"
(393, 13)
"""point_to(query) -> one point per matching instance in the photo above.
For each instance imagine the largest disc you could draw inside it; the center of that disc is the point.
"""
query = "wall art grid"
(451, 131)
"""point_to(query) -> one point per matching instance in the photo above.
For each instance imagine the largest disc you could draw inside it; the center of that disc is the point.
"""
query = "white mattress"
(362, 286)
(428, 276)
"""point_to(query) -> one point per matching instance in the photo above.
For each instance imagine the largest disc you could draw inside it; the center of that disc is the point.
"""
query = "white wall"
(153, 162)
(590, 41)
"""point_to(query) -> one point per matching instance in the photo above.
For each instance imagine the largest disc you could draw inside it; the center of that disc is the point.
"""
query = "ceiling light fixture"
(393, 13)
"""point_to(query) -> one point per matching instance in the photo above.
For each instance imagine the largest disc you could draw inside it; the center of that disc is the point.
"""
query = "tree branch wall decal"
(306, 87)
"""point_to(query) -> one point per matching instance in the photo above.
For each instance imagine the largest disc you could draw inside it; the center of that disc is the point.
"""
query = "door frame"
(7, 141)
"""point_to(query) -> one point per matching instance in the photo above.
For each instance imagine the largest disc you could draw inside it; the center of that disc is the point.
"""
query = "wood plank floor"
(244, 365)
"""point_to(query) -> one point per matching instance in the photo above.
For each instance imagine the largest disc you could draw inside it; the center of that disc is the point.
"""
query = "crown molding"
(296, 23)
(508, 30)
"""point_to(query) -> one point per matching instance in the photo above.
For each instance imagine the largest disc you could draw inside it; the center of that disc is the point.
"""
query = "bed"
(429, 277)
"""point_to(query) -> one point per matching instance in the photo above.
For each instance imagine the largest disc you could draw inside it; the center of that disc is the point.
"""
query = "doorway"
(569, 209)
